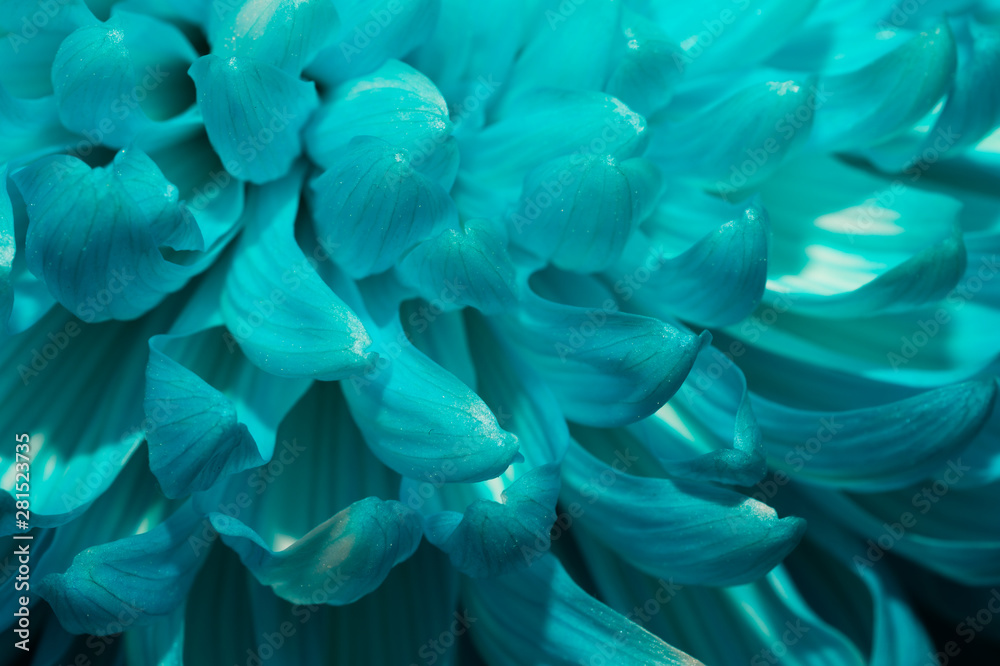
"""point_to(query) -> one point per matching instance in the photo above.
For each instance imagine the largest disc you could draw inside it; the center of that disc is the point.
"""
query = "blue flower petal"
(253, 114)
(284, 33)
(887, 96)
(750, 623)
(138, 82)
(141, 578)
(879, 448)
(324, 633)
(374, 31)
(723, 34)
(372, 206)
(973, 107)
(739, 141)
(363, 542)
(496, 526)
(490, 537)
(215, 414)
(540, 616)
(285, 318)
(868, 605)
(952, 536)
(30, 128)
(26, 67)
(650, 68)
(468, 265)
(605, 367)
(697, 533)
(423, 422)
(545, 125)
(158, 644)
(572, 49)
(395, 103)
(711, 411)
(868, 246)
(81, 439)
(96, 234)
(16, 17)
(719, 279)
(578, 212)
(467, 54)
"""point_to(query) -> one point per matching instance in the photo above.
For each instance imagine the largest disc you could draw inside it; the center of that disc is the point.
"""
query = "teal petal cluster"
(510, 332)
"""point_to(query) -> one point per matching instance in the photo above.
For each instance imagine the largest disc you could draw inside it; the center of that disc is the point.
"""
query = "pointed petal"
(736, 142)
(421, 421)
(605, 367)
(711, 411)
(719, 279)
(697, 533)
(887, 96)
(879, 448)
(489, 537)
(540, 615)
(285, 318)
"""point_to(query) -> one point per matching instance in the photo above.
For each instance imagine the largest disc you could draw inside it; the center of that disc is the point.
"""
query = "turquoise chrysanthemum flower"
(672, 328)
